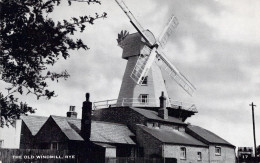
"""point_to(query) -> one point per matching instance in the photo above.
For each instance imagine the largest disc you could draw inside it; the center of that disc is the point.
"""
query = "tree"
(30, 42)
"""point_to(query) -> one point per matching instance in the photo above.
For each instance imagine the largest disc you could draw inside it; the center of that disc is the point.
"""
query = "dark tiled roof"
(34, 123)
(172, 136)
(110, 133)
(154, 116)
(104, 132)
(66, 128)
(207, 136)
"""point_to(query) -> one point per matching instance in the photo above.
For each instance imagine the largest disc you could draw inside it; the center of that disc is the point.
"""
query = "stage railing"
(147, 102)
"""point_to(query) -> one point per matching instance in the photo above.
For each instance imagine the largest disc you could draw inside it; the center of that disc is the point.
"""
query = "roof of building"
(172, 136)
(63, 123)
(110, 133)
(154, 116)
(34, 123)
(207, 135)
(104, 132)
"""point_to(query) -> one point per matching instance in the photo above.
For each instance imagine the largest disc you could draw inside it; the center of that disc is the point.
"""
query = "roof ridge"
(182, 136)
(226, 142)
(108, 122)
(30, 122)
(151, 114)
(65, 128)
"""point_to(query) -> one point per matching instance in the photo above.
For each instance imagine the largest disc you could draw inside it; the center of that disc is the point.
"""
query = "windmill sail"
(175, 74)
(168, 30)
(144, 62)
(133, 21)
(142, 66)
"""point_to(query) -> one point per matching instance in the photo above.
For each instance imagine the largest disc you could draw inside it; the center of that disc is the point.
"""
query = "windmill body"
(143, 82)
(145, 94)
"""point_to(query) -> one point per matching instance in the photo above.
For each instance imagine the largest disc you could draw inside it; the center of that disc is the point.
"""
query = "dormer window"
(155, 125)
(144, 80)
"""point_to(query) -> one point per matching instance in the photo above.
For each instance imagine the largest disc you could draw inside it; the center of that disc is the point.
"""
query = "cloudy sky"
(216, 45)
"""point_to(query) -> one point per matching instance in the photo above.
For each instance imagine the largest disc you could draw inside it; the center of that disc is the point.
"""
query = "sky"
(215, 45)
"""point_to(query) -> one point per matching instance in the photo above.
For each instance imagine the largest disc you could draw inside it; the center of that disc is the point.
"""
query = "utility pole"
(253, 117)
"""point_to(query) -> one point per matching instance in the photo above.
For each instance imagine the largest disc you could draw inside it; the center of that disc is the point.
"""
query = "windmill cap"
(150, 37)
(124, 38)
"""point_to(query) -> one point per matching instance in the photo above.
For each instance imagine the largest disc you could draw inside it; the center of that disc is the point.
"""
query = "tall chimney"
(163, 112)
(71, 113)
(86, 118)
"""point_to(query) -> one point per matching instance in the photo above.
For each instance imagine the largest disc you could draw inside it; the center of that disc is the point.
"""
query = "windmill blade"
(143, 65)
(168, 30)
(133, 21)
(175, 74)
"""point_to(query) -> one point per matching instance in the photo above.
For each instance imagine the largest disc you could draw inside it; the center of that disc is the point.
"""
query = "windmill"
(145, 62)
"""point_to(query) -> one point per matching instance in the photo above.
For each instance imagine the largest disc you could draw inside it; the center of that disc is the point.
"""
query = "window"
(144, 80)
(144, 98)
(1, 143)
(183, 153)
(54, 145)
(199, 156)
(217, 151)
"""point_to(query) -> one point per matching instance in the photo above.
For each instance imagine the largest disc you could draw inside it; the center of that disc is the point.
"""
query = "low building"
(106, 139)
(125, 132)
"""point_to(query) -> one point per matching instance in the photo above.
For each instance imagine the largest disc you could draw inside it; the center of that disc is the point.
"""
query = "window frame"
(183, 153)
(156, 125)
(145, 81)
(199, 156)
(217, 153)
(143, 100)
(57, 145)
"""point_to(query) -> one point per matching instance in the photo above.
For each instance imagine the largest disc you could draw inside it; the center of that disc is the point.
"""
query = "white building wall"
(174, 151)
(227, 155)
(11, 135)
(110, 152)
(130, 90)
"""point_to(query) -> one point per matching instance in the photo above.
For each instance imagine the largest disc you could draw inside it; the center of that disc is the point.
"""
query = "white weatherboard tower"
(143, 81)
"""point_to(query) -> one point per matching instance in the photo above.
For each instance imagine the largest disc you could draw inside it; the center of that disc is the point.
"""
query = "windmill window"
(218, 151)
(144, 80)
(144, 99)
(183, 153)
(199, 156)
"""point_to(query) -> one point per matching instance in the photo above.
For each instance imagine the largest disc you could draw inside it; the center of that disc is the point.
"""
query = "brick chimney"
(86, 118)
(71, 113)
(163, 112)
